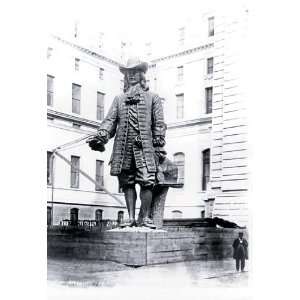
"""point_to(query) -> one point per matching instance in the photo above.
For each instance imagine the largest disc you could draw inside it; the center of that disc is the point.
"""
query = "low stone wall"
(142, 248)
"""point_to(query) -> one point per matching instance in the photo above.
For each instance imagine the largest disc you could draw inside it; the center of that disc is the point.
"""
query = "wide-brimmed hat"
(134, 63)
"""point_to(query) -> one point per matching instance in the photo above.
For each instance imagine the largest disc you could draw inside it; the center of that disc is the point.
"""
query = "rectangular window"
(208, 99)
(100, 106)
(205, 168)
(211, 26)
(75, 160)
(181, 36)
(180, 106)
(50, 90)
(210, 65)
(99, 174)
(77, 62)
(101, 71)
(49, 168)
(76, 96)
(180, 73)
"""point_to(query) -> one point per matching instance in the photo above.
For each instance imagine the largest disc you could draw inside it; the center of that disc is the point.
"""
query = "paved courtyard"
(91, 273)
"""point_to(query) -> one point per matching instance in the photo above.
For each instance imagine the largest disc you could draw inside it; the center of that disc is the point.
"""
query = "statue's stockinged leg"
(144, 219)
(130, 198)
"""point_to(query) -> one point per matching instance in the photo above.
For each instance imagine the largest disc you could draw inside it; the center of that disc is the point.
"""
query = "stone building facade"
(198, 76)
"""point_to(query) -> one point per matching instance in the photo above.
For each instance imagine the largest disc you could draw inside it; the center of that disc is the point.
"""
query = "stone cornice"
(152, 62)
(182, 53)
(87, 51)
(199, 121)
(72, 118)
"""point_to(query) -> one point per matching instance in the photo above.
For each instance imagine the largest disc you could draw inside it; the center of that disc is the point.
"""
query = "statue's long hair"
(143, 82)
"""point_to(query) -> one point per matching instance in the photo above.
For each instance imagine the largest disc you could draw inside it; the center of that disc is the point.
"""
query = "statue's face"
(133, 77)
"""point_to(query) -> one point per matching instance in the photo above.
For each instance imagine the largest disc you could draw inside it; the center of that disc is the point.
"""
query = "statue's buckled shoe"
(128, 223)
(148, 223)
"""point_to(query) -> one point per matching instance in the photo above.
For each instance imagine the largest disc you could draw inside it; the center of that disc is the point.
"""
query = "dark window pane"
(49, 215)
(205, 168)
(210, 65)
(98, 215)
(208, 98)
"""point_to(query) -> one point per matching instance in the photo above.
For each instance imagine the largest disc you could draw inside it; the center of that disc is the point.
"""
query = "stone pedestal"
(143, 248)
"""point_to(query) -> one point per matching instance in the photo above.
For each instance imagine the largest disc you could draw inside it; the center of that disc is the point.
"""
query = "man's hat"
(134, 63)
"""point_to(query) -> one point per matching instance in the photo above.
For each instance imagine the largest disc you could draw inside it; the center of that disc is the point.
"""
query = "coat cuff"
(103, 135)
(159, 141)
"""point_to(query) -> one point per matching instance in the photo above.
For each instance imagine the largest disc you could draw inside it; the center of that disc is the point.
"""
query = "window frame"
(99, 177)
(180, 106)
(206, 160)
(76, 102)
(211, 26)
(181, 36)
(210, 65)
(50, 91)
(75, 174)
(100, 106)
(208, 101)
(180, 165)
(180, 73)
(49, 168)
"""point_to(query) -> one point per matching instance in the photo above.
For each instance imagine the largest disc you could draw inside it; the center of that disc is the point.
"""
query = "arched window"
(98, 215)
(205, 168)
(176, 214)
(120, 216)
(179, 162)
(74, 216)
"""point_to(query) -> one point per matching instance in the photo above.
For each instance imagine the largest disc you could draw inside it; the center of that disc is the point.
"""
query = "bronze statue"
(136, 120)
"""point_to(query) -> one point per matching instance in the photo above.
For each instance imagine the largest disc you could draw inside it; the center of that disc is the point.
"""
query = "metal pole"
(52, 184)
(88, 177)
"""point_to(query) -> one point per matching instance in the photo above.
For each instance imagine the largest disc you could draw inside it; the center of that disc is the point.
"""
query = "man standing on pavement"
(240, 251)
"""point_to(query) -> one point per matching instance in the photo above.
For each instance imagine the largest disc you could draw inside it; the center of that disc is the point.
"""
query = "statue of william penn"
(136, 120)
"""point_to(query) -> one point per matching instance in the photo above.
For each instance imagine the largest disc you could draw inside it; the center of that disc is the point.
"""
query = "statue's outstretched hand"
(96, 144)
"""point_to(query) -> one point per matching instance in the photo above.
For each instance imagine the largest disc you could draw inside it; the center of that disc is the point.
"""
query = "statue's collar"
(134, 94)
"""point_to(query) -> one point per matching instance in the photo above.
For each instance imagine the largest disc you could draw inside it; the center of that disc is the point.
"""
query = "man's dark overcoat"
(151, 125)
(237, 254)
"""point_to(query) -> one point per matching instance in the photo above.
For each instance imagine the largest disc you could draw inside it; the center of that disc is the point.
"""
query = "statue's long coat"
(151, 125)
